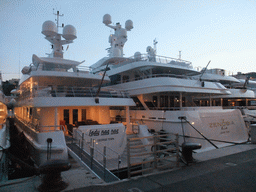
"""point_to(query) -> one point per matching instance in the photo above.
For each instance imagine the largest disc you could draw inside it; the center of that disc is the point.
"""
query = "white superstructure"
(56, 94)
(164, 89)
(242, 94)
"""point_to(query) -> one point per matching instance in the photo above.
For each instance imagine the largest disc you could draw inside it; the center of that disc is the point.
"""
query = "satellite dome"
(128, 25)
(69, 32)
(116, 52)
(107, 19)
(49, 28)
(137, 56)
(149, 49)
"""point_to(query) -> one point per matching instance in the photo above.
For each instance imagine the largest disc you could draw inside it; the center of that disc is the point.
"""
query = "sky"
(203, 30)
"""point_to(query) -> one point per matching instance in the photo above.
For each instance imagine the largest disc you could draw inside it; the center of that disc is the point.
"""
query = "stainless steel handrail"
(66, 91)
(158, 59)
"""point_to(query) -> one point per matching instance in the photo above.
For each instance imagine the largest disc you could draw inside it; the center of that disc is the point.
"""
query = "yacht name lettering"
(103, 132)
(222, 123)
(94, 133)
(114, 131)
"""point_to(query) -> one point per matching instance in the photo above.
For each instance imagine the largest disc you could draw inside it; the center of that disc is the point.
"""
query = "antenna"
(154, 43)
(118, 39)
(50, 30)
(19, 58)
(179, 55)
(57, 19)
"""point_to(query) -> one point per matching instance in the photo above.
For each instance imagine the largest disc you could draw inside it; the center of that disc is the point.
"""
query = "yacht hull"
(110, 138)
(39, 149)
(220, 127)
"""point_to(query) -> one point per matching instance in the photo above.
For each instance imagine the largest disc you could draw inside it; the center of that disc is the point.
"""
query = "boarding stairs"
(83, 156)
(138, 158)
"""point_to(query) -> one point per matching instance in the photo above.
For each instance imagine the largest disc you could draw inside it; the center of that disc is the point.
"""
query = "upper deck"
(121, 64)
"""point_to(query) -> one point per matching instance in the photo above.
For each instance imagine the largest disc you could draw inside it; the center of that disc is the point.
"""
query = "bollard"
(187, 149)
(253, 133)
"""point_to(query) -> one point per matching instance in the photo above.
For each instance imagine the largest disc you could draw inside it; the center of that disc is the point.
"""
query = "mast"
(119, 38)
(154, 43)
(57, 19)
(50, 30)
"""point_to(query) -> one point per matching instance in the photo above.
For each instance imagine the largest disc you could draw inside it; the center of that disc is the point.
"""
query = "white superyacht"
(163, 89)
(242, 94)
(56, 94)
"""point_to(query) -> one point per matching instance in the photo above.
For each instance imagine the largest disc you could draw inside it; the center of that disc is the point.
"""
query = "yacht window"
(176, 101)
(171, 101)
(225, 102)
(138, 103)
(155, 101)
(252, 103)
(137, 77)
(30, 112)
(66, 115)
(157, 71)
(125, 78)
(150, 104)
(83, 114)
(75, 116)
(216, 102)
(115, 79)
(163, 101)
(183, 102)
(203, 102)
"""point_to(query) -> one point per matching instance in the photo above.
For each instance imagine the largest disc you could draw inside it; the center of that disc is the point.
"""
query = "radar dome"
(116, 52)
(149, 49)
(69, 32)
(128, 25)
(137, 56)
(49, 28)
(107, 19)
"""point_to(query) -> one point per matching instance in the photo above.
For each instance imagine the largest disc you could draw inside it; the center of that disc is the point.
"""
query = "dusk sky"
(221, 31)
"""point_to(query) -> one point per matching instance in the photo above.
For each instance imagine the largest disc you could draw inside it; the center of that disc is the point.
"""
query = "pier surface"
(231, 168)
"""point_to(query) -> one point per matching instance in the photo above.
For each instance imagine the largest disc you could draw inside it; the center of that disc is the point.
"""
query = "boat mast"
(57, 19)
(50, 30)
(154, 43)
(118, 39)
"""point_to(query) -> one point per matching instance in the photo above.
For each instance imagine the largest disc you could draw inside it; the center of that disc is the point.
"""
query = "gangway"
(91, 163)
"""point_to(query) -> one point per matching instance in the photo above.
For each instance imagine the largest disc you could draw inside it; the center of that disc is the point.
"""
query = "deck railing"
(30, 127)
(158, 59)
(66, 91)
(149, 76)
(164, 154)
(60, 68)
(100, 157)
